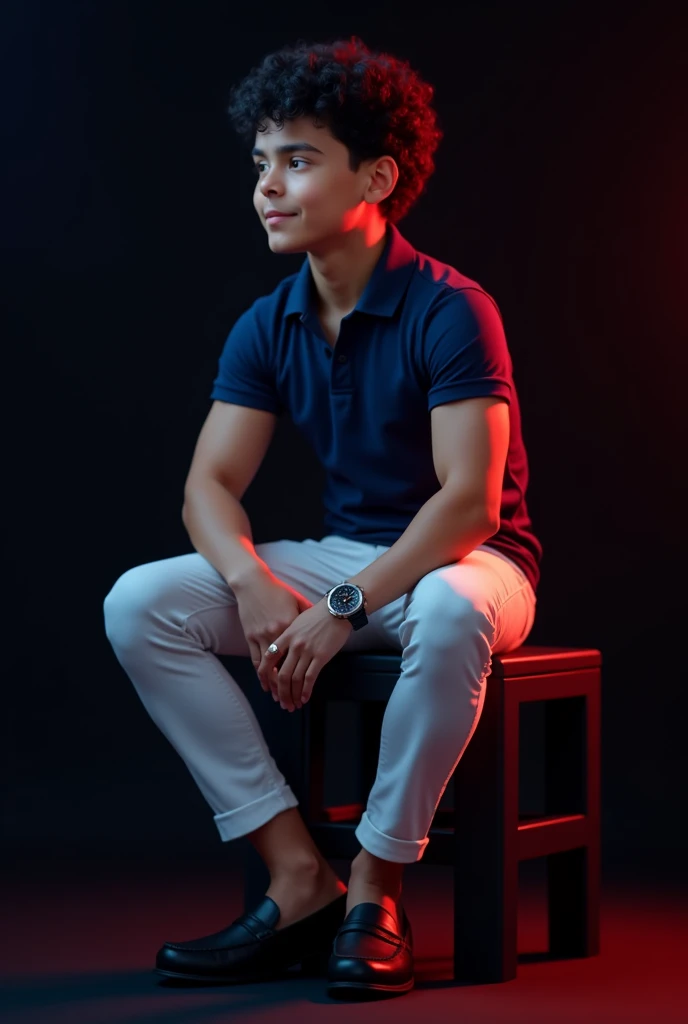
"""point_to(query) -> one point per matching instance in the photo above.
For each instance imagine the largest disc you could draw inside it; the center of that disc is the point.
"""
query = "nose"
(270, 183)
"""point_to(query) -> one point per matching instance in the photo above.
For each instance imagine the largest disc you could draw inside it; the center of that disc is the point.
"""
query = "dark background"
(129, 248)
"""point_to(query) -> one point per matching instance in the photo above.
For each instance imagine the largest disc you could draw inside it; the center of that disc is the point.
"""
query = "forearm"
(443, 530)
(219, 529)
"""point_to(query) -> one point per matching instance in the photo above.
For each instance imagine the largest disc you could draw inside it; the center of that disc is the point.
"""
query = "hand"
(266, 606)
(304, 648)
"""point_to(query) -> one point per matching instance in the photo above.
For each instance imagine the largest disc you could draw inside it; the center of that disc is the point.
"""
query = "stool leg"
(486, 857)
(572, 786)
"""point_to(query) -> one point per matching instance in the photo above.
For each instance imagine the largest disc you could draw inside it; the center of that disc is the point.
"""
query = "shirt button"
(341, 359)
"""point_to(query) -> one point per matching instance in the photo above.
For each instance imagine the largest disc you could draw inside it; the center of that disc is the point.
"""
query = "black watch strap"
(359, 618)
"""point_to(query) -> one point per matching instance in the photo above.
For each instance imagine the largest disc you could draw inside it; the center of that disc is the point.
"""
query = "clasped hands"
(303, 649)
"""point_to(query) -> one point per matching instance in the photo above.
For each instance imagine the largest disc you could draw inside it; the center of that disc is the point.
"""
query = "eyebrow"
(290, 147)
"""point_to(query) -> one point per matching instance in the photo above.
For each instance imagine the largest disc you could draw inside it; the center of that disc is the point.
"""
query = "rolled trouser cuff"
(242, 820)
(400, 851)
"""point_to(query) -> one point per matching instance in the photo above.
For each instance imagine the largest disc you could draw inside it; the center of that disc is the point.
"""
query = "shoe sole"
(226, 980)
(311, 966)
(358, 989)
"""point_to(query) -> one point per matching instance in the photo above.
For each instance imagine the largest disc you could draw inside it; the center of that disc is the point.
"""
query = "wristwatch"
(347, 601)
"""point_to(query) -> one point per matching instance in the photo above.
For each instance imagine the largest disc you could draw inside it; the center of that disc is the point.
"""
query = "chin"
(281, 244)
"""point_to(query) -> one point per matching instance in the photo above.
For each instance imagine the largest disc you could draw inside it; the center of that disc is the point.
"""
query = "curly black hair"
(374, 103)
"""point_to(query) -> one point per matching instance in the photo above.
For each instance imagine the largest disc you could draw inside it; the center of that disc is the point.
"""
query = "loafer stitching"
(261, 932)
(374, 930)
(390, 937)
(391, 940)
(381, 959)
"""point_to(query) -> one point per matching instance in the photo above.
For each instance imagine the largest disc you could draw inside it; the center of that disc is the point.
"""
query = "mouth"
(277, 218)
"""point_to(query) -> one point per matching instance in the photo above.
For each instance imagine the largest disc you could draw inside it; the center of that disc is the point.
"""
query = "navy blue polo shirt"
(421, 334)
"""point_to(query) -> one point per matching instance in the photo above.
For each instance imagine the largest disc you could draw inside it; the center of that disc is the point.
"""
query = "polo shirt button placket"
(341, 359)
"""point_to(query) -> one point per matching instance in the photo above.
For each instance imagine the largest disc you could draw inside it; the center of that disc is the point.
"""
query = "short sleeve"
(244, 375)
(466, 354)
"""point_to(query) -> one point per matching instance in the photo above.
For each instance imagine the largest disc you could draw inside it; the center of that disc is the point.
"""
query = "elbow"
(492, 525)
(489, 520)
(187, 501)
(491, 514)
(483, 514)
(490, 517)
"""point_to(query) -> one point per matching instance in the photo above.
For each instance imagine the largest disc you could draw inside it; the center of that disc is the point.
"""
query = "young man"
(396, 368)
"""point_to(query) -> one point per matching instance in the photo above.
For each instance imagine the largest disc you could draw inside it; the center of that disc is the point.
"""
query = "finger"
(256, 658)
(266, 673)
(273, 676)
(309, 681)
(268, 667)
(284, 680)
(297, 681)
(303, 680)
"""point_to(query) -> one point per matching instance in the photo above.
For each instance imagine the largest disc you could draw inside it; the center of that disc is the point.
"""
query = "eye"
(260, 164)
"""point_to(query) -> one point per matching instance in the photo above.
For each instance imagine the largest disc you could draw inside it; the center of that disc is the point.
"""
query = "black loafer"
(369, 957)
(250, 949)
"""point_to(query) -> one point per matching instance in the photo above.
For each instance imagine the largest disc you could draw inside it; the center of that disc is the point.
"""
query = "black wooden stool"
(483, 836)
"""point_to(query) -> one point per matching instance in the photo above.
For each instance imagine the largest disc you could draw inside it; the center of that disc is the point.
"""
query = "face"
(303, 171)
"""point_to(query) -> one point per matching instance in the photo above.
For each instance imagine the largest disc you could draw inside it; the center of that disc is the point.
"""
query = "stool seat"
(347, 677)
(483, 836)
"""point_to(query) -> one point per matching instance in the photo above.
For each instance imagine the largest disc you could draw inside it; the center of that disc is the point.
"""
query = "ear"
(384, 174)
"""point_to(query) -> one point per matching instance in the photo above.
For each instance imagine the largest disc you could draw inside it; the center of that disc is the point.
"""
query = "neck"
(342, 268)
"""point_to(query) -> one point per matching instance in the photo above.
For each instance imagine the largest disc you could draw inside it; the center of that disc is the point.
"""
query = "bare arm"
(229, 451)
(219, 529)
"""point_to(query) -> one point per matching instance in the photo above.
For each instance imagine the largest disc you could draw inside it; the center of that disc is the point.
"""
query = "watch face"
(345, 599)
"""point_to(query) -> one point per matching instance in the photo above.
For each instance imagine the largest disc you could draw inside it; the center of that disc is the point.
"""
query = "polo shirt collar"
(385, 289)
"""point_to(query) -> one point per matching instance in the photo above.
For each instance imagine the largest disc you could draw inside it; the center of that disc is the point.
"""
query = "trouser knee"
(133, 607)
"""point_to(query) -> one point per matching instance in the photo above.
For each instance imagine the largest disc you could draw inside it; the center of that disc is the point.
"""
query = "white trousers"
(166, 621)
